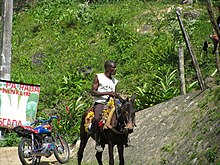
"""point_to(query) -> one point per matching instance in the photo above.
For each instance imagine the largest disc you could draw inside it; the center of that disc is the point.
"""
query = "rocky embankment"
(183, 130)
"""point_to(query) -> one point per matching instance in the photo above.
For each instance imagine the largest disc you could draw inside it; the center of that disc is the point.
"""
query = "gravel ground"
(9, 156)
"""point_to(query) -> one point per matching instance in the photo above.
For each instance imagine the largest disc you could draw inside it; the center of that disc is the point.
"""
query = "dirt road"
(9, 156)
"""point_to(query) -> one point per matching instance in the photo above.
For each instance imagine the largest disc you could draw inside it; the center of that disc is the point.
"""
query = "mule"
(122, 124)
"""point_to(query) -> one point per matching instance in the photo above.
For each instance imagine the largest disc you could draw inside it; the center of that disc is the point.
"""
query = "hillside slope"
(56, 42)
(183, 130)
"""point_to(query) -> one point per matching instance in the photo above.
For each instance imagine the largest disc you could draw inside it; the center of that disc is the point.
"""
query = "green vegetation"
(61, 44)
(10, 139)
(168, 148)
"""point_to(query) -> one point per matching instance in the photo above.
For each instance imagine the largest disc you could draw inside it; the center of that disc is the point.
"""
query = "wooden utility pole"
(6, 35)
(181, 71)
(195, 63)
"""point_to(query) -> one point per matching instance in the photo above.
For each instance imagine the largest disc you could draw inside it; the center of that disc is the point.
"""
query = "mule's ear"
(133, 98)
(127, 99)
(121, 99)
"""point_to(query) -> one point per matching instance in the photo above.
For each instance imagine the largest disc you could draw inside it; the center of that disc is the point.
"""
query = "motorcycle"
(41, 140)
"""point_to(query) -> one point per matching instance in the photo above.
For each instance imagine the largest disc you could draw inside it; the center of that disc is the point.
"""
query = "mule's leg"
(98, 156)
(121, 154)
(83, 141)
(110, 153)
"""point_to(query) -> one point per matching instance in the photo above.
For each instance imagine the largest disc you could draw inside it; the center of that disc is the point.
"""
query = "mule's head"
(128, 113)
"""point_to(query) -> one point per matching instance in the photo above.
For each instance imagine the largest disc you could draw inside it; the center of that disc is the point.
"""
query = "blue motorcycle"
(41, 140)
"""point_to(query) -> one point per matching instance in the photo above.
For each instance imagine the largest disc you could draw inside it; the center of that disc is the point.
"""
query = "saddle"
(106, 118)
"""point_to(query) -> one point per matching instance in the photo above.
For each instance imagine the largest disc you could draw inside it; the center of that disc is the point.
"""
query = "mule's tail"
(73, 143)
(82, 136)
(73, 147)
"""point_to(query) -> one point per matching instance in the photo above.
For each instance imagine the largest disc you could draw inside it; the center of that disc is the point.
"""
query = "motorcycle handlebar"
(46, 121)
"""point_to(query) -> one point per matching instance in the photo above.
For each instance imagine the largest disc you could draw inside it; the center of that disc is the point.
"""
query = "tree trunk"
(215, 27)
(217, 60)
(181, 71)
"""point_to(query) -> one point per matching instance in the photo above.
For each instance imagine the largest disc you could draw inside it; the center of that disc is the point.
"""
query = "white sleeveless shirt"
(105, 85)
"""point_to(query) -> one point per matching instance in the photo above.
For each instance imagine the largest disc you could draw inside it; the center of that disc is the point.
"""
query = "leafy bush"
(166, 89)
(10, 139)
(70, 119)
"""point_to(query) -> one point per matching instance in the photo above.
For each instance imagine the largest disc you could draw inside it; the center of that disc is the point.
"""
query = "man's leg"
(98, 108)
(97, 136)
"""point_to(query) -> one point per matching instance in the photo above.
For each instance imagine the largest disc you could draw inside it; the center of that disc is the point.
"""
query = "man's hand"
(112, 94)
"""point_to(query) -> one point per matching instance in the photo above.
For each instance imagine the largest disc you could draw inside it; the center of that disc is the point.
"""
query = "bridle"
(128, 113)
(123, 113)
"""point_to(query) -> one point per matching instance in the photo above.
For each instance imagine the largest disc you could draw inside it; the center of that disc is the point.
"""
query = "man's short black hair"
(108, 63)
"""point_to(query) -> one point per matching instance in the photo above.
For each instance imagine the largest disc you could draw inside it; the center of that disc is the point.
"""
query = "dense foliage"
(61, 44)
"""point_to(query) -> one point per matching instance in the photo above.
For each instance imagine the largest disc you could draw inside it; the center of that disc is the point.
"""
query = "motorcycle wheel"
(24, 153)
(61, 150)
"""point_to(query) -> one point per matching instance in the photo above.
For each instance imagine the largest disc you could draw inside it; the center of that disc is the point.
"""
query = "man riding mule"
(111, 122)
(103, 87)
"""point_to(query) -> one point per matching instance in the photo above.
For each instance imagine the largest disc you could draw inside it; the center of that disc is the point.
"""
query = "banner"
(18, 103)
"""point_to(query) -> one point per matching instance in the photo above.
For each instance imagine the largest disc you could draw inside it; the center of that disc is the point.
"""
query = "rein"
(115, 130)
(112, 128)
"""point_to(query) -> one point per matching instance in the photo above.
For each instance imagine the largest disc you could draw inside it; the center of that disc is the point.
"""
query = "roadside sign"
(18, 103)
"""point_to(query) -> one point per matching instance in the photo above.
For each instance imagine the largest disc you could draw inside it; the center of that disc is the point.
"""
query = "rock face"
(183, 130)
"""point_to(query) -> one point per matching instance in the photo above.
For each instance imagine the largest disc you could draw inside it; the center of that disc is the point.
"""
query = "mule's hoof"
(99, 148)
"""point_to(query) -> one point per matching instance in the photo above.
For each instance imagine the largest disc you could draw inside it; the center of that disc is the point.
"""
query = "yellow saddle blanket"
(107, 114)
